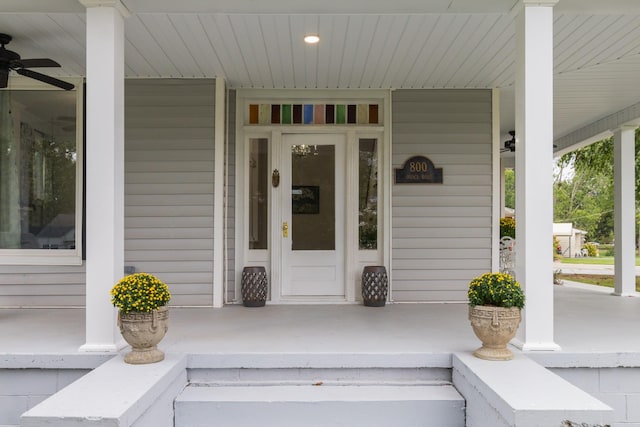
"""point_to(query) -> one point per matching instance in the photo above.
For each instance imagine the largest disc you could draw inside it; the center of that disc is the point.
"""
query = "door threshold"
(323, 301)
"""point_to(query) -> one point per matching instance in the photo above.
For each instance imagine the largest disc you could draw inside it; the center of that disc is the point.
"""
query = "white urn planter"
(495, 327)
(143, 331)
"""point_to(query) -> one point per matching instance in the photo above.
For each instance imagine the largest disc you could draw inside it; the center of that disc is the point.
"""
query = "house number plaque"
(418, 170)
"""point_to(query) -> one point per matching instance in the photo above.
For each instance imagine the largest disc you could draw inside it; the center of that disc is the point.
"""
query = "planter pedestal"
(495, 327)
(375, 286)
(254, 286)
(143, 332)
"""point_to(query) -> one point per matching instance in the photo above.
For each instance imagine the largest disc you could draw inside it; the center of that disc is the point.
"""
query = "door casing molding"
(355, 259)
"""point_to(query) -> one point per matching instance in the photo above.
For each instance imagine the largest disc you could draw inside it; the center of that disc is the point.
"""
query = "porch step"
(320, 405)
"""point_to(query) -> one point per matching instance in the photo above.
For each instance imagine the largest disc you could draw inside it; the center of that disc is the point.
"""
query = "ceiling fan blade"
(45, 79)
(38, 62)
(4, 78)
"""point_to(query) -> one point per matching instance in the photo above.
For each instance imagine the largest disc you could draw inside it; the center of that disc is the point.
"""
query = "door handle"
(285, 229)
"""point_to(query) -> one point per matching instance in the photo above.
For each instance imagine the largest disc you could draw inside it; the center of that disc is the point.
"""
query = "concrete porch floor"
(591, 326)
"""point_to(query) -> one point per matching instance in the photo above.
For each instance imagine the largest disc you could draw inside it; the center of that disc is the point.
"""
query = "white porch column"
(534, 177)
(105, 170)
(625, 211)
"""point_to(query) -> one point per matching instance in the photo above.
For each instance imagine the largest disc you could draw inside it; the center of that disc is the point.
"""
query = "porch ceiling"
(364, 44)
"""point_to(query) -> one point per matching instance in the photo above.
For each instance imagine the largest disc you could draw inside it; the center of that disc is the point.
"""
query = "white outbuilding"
(571, 239)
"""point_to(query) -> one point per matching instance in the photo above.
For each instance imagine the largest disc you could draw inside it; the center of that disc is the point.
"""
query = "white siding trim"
(351, 220)
(386, 187)
(496, 199)
(230, 198)
(240, 191)
(218, 195)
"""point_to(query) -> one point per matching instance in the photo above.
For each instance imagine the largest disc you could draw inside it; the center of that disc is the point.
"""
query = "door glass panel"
(368, 194)
(313, 197)
(258, 192)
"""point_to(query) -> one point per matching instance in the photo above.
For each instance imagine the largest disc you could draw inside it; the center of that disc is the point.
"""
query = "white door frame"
(355, 259)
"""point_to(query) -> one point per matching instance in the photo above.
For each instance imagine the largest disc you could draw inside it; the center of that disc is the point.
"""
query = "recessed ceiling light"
(311, 38)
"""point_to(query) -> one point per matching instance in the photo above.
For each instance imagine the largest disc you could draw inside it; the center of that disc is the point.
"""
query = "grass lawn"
(595, 279)
(603, 260)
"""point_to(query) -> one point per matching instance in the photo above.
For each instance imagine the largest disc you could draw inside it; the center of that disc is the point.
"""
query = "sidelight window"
(368, 193)
(258, 192)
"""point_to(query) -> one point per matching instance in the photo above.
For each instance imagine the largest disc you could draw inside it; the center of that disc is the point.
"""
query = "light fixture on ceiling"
(304, 150)
(311, 38)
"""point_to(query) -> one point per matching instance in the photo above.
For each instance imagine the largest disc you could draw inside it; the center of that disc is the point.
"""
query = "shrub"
(557, 249)
(508, 227)
(592, 249)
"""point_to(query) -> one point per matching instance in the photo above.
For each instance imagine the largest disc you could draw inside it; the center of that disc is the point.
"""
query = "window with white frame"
(40, 208)
(368, 193)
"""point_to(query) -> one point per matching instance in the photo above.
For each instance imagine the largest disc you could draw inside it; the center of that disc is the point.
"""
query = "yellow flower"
(140, 292)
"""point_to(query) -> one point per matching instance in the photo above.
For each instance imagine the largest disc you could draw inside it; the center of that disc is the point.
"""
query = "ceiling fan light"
(311, 39)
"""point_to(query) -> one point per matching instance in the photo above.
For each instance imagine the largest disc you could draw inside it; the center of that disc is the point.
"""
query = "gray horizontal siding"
(42, 286)
(441, 233)
(169, 165)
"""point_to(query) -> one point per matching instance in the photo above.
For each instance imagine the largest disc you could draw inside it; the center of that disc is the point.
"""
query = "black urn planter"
(375, 286)
(254, 286)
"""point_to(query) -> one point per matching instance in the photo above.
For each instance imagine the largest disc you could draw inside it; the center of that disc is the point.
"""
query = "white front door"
(313, 215)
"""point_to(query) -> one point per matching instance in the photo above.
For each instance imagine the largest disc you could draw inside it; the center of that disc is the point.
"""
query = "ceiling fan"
(510, 144)
(10, 60)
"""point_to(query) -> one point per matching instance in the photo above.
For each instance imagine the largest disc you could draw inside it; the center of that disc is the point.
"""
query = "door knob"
(285, 229)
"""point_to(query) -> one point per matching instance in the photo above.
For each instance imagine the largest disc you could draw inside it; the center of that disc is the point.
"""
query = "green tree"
(587, 202)
(510, 188)
(598, 158)
(586, 198)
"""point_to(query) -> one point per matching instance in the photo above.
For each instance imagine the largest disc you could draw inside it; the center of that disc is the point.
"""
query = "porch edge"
(536, 396)
(141, 390)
